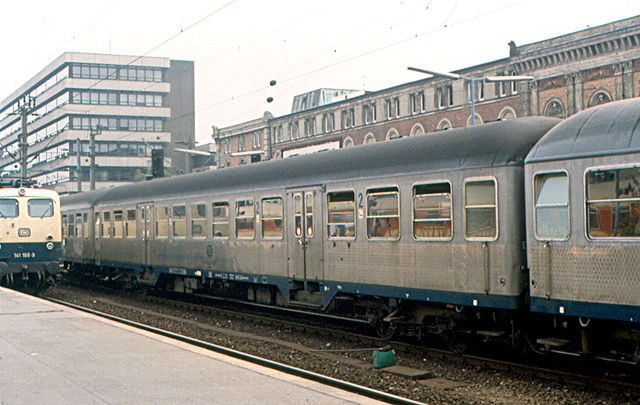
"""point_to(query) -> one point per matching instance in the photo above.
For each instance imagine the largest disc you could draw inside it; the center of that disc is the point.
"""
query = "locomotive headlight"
(24, 232)
(50, 237)
(21, 191)
(49, 246)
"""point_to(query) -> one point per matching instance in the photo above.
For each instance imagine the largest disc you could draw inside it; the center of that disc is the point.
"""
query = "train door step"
(552, 342)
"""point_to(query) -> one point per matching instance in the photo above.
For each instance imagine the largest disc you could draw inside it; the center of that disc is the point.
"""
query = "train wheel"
(386, 329)
(457, 342)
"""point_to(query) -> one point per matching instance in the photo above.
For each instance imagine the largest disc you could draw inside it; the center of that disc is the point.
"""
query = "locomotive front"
(30, 237)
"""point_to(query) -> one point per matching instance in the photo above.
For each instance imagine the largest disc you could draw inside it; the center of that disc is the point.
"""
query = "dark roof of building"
(607, 129)
(488, 145)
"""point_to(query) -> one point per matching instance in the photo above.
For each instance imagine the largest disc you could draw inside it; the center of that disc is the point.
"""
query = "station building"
(132, 104)
(570, 73)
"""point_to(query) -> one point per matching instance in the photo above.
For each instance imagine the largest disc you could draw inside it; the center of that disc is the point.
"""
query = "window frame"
(451, 216)
(366, 213)
(213, 219)
(172, 221)
(464, 208)
(355, 215)
(586, 204)
(534, 189)
(263, 218)
(127, 221)
(236, 217)
(157, 221)
(204, 219)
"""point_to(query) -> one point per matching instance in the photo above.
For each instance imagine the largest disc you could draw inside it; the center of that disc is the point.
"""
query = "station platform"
(56, 355)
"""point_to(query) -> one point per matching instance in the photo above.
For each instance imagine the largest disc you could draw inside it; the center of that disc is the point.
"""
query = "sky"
(240, 46)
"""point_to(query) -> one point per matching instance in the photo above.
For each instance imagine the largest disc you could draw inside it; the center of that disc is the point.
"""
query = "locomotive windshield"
(40, 207)
(8, 208)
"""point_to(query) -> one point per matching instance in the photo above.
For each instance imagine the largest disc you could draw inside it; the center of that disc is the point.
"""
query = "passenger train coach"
(449, 233)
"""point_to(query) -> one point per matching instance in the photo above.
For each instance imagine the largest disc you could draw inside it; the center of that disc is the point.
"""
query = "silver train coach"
(449, 233)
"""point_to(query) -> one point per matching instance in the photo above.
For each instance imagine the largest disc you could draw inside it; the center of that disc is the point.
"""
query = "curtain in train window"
(341, 209)
(220, 223)
(245, 217)
(480, 209)
(272, 218)
(552, 205)
(613, 203)
(179, 221)
(383, 213)
(198, 221)
(432, 211)
(162, 222)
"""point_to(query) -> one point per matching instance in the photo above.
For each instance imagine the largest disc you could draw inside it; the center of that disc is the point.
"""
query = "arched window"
(599, 97)
(417, 129)
(277, 154)
(554, 108)
(370, 138)
(478, 120)
(348, 142)
(444, 124)
(507, 113)
(392, 134)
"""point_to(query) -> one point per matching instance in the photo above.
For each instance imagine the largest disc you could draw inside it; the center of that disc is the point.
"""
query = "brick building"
(570, 73)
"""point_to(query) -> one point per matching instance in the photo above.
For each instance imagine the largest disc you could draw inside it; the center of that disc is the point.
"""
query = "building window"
(328, 122)
(256, 139)
(220, 222)
(478, 90)
(599, 97)
(554, 108)
(245, 217)
(514, 85)
(348, 143)
(392, 107)
(294, 130)
(417, 102)
(242, 146)
(613, 203)
(444, 96)
(309, 126)
(348, 118)
(341, 210)
(369, 113)
(383, 213)
(272, 218)
(432, 211)
(552, 206)
(480, 208)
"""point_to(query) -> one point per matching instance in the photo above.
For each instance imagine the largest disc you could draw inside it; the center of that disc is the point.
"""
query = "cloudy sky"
(239, 46)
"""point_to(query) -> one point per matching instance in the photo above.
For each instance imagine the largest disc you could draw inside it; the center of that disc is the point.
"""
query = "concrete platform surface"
(50, 354)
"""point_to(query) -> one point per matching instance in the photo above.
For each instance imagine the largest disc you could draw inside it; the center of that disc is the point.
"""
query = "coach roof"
(607, 129)
(493, 144)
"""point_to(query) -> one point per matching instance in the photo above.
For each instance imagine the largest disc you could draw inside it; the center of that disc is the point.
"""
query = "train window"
(130, 224)
(70, 227)
(85, 225)
(245, 217)
(64, 226)
(97, 228)
(220, 223)
(297, 215)
(341, 210)
(432, 211)
(198, 221)
(179, 221)
(383, 213)
(40, 207)
(118, 227)
(552, 205)
(480, 209)
(308, 208)
(8, 208)
(78, 227)
(272, 218)
(162, 222)
(106, 224)
(613, 203)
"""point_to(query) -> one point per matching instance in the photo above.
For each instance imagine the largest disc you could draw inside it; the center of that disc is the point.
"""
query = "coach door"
(144, 247)
(305, 237)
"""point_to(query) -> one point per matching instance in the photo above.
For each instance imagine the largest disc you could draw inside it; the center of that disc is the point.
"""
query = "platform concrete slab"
(56, 355)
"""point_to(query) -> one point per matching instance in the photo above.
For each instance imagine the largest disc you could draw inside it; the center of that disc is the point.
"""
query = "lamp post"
(472, 81)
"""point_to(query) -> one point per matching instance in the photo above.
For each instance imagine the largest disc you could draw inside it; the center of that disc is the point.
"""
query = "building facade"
(570, 73)
(129, 105)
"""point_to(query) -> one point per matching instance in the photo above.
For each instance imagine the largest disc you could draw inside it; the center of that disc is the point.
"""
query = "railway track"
(351, 336)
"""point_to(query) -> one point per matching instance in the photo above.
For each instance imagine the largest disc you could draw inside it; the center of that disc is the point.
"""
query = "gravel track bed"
(473, 384)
